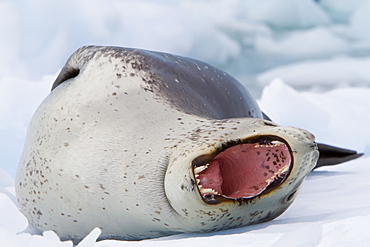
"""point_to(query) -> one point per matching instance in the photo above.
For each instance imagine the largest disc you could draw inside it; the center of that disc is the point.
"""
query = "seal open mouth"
(243, 171)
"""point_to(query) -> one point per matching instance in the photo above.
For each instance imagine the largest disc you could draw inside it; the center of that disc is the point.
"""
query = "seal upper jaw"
(196, 203)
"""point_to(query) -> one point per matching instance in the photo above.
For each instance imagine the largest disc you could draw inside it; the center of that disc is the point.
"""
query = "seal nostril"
(65, 74)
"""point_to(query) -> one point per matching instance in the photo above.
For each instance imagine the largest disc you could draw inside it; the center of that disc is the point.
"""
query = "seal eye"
(244, 171)
(64, 75)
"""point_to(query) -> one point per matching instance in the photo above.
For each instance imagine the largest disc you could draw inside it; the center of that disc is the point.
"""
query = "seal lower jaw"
(241, 171)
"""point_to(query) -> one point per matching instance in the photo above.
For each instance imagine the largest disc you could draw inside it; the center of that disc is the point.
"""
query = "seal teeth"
(271, 144)
(280, 173)
(277, 143)
(208, 191)
(199, 169)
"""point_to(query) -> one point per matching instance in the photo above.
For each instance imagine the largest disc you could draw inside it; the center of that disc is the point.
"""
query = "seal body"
(145, 144)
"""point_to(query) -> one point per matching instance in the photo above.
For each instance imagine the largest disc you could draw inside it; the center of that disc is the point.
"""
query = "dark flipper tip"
(330, 155)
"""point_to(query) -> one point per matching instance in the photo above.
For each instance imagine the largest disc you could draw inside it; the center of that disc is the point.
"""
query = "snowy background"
(319, 50)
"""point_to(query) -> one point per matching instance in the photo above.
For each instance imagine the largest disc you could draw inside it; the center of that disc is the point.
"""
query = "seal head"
(250, 178)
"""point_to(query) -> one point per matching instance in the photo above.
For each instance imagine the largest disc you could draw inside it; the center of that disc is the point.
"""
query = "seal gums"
(243, 171)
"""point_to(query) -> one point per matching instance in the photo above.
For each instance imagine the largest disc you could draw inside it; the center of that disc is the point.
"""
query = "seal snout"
(243, 171)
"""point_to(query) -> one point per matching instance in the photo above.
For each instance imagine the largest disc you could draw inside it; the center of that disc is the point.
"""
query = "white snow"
(306, 61)
(318, 42)
(340, 10)
(290, 13)
(331, 72)
(360, 21)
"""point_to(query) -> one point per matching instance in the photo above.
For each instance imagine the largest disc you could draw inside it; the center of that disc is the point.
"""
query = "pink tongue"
(244, 170)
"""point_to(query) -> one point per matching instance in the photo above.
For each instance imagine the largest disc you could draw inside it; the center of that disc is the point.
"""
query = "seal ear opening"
(66, 74)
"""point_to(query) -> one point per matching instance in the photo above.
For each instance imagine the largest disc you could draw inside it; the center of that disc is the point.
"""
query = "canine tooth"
(276, 143)
(199, 169)
(285, 169)
(208, 191)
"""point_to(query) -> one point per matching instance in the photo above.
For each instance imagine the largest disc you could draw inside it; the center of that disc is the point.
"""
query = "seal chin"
(243, 170)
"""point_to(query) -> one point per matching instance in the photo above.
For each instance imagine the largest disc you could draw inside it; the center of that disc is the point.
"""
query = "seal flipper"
(330, 155)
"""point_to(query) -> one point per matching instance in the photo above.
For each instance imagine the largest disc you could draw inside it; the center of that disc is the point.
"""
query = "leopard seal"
(145, 144)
